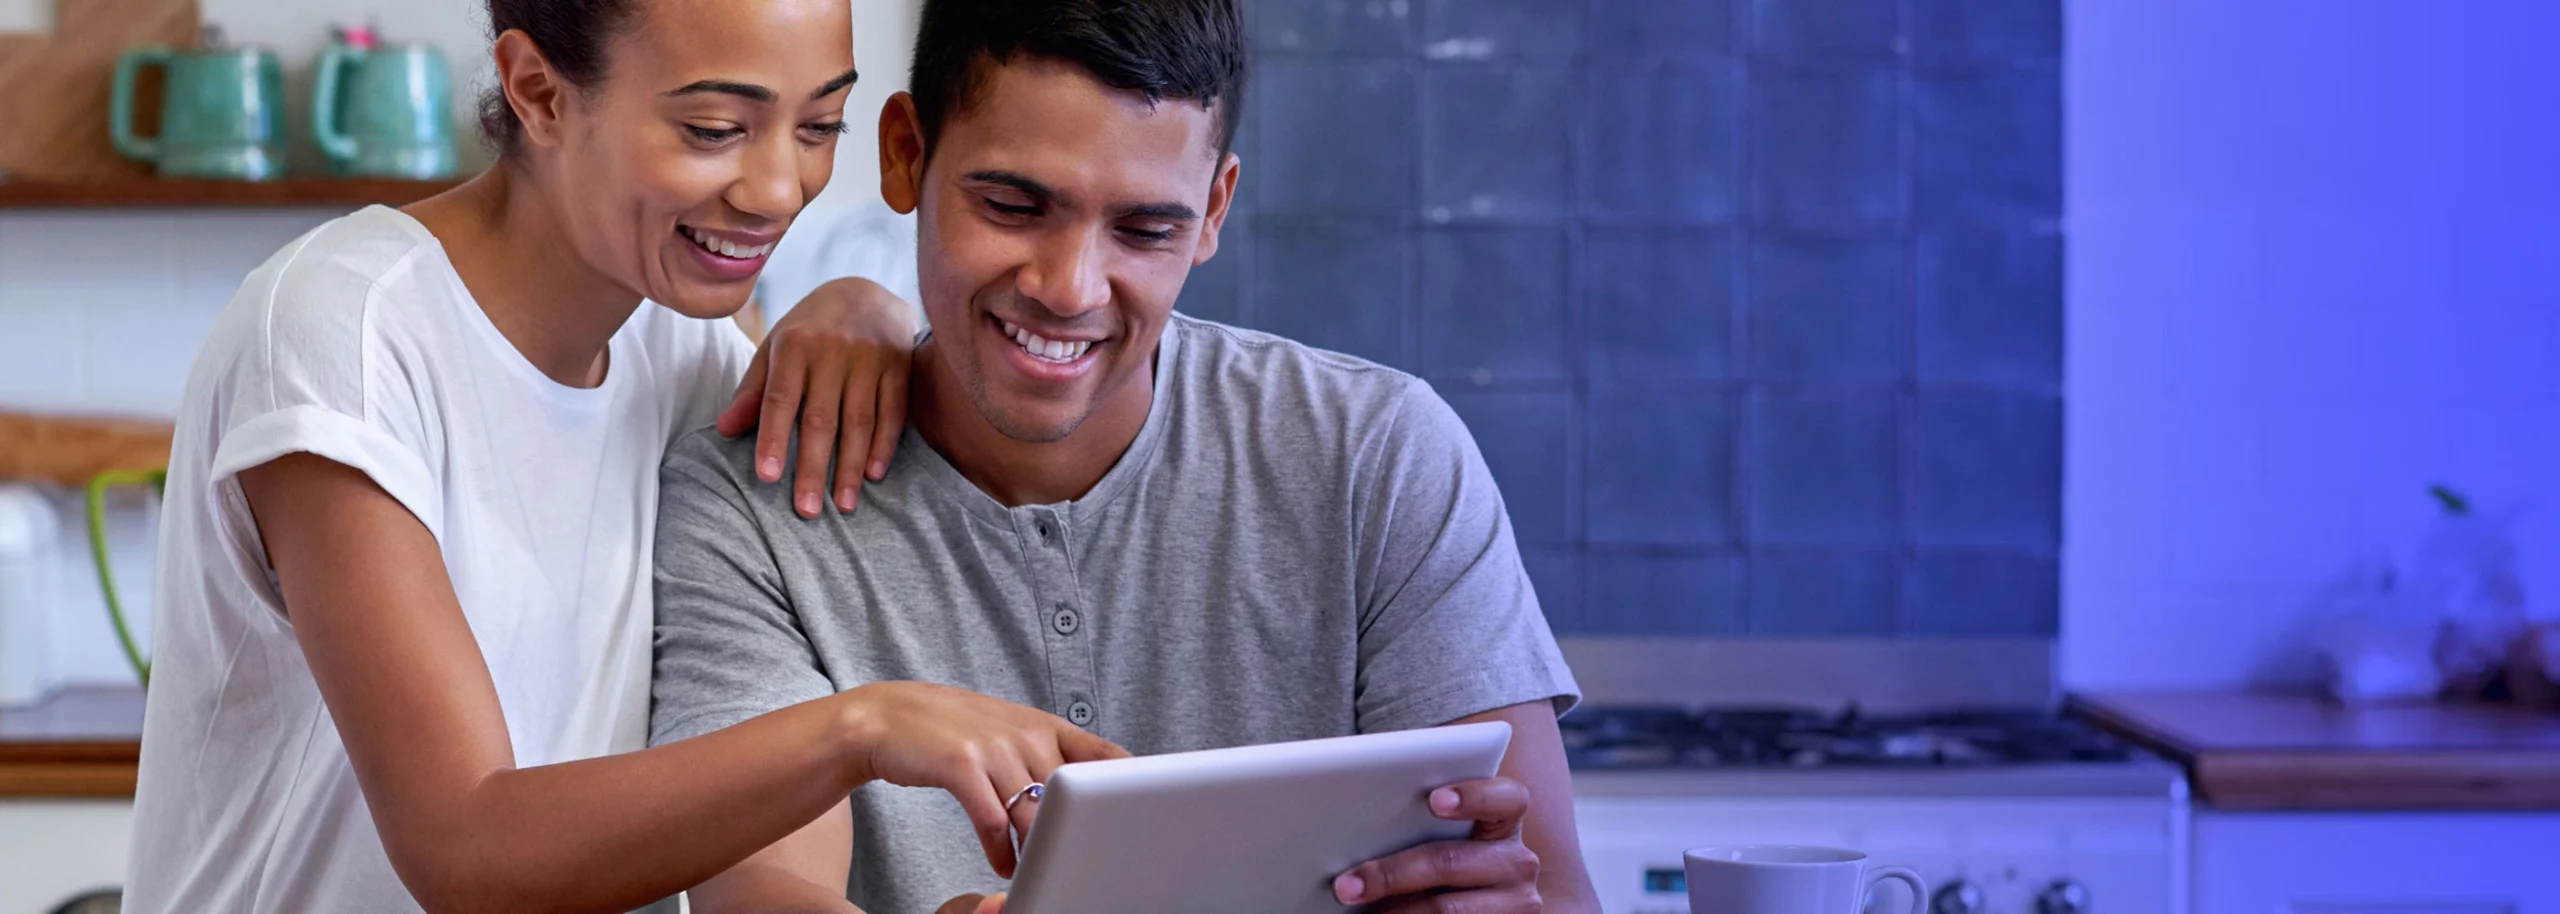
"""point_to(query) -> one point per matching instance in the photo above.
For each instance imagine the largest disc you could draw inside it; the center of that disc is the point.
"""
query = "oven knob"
(1958, 897)
(2063, 897)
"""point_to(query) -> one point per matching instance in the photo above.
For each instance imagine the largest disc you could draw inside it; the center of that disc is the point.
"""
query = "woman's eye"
(827, 128)
(714, 134)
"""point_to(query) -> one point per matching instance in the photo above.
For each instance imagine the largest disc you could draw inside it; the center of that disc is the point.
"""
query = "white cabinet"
(2376, 863)
(52, 850)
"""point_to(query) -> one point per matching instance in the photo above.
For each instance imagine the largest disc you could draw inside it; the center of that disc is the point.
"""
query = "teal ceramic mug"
(222, 117)
(385, 112)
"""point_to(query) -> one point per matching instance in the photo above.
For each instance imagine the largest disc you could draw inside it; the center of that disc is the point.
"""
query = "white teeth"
(1044, 348)
(726, 249)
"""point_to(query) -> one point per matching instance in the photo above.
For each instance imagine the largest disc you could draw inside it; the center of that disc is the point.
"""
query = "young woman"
(404, 599)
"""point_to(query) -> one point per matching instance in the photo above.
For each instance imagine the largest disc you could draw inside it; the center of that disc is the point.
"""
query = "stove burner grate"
(1779, 738)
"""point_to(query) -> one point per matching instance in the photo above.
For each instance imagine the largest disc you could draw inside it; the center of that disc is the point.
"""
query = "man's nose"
(1069, 276)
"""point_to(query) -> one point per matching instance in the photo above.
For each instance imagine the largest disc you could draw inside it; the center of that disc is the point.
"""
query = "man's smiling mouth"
(1043, 348)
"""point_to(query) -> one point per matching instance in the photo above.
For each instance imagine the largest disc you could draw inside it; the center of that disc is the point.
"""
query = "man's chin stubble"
(1027, 432)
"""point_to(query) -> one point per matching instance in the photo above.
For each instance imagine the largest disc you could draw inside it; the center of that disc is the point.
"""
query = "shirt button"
(1080, 714)
(1064, 620)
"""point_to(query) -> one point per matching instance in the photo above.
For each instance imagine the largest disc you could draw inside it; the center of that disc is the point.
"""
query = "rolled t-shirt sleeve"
(310, 375)
(1450, 626)
(728, 644)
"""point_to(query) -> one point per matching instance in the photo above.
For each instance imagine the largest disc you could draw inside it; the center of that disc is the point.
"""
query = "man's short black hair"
(1192, 50)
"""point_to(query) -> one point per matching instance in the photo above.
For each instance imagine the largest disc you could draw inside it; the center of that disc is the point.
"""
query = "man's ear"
(901, 154)
(1222, 192)
(539, 97)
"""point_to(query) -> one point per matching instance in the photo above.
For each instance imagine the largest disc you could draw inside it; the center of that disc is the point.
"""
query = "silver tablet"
(1261, 829)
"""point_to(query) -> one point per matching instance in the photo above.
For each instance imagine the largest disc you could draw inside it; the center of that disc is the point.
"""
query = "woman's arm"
(466, 830)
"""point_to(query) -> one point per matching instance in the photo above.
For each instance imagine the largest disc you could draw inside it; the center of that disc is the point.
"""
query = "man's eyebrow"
(1175, 212)
(748, 91)
(847, 79)
(1018, 181)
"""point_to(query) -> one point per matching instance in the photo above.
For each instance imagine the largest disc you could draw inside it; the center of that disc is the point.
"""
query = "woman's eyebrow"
(756, 93)
(748, 91)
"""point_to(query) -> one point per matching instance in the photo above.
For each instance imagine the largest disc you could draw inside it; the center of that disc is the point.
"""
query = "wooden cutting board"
(53, 88)
(2248, 750)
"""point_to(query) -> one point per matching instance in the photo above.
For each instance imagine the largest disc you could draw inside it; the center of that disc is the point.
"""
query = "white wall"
(101, 311)
(26, 16)
(2314, 267)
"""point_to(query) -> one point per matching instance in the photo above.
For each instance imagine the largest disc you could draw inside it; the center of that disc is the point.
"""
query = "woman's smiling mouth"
(729, 256)
(724, 247)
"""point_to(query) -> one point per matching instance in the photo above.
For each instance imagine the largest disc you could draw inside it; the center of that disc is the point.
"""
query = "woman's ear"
(901, 154)
(533, 90)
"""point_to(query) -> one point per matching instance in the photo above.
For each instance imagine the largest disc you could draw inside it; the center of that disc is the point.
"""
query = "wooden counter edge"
(2130, 727)
(68, 781)
(69, 769)
(2272, 780)
(2453, 781)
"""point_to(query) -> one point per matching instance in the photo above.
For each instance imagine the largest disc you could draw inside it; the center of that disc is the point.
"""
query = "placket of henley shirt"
(1062, 615)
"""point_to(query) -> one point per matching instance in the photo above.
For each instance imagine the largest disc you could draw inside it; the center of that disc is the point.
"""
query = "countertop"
(2285, 751)
(83, 742)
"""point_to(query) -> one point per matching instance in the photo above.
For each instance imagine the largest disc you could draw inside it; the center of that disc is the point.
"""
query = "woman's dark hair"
(1182, 49)
(571, 34)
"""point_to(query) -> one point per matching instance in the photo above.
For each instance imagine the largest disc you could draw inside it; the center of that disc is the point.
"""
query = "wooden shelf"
(332, 192)
(79, 742)
(70, 451)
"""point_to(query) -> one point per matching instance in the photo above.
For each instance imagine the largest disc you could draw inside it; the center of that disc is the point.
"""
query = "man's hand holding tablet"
(1489, 871)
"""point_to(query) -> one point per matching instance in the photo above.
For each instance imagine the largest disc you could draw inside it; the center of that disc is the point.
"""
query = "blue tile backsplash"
(1623, 591)
(1973, 135)
(1512, 108)
(1870, 28)
(1658, 468)
(1662, 146)
(1827, 309)
(1527, 439)
(1826, 147)
(1826, 470)
(1333, 27)
(1822, 593)
(1658, 305)
(1338, 286)
(1308, 110)
(1641, 31)
(1753, 306)
(1480, 29)
(1493, 306)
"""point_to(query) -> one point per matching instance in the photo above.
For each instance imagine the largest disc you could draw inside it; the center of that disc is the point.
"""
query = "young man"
(1176, 534)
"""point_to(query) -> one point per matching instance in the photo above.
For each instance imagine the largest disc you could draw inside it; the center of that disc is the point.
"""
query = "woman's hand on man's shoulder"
(833, 373)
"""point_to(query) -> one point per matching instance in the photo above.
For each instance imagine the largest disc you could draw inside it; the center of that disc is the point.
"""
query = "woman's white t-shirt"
(359, 343)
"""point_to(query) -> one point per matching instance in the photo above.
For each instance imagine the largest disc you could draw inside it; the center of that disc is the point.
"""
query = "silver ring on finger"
(1031, 792)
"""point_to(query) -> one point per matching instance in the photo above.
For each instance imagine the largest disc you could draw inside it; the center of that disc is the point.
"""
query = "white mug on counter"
(1789, 879)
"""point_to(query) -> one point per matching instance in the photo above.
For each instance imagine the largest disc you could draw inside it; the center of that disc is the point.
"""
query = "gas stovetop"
(1755, 739)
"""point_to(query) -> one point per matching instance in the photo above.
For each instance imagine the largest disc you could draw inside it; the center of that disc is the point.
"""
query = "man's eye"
(714, 134)
(1012, 209)
(1153, 235)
